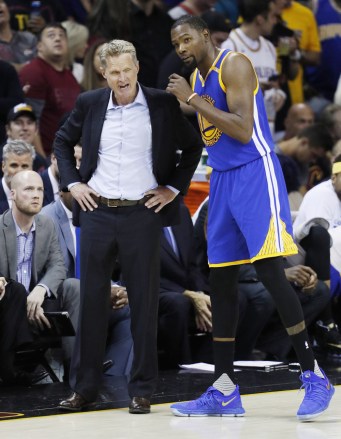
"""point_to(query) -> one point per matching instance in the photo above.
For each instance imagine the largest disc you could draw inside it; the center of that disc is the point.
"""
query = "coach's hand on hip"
(82, 193)
(161, 196)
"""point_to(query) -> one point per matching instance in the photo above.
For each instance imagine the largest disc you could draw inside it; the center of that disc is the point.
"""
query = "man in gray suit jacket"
(30, 254)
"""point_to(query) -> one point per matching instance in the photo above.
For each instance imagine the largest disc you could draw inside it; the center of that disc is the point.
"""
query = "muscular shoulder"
(236, 59)
(237, 66)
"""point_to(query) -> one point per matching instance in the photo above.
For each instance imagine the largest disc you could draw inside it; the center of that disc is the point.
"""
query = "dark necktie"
(171, 241)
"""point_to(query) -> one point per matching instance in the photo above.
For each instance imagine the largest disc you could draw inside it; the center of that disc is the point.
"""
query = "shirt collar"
(18, 230)
(53, 180)
(139, 100)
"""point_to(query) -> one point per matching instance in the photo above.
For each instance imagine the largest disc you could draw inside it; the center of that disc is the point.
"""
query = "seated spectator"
(22, 125)
(308, 164)
(323, 202)
(119, 342)
(299, 116)
(17, 156)
(314, 296)
(11, 93)
(50, 179)
(51, 87)
(22, 18)
(331, 117)
(38, 263)
(16, 47)
(184, 305)
(77, 36)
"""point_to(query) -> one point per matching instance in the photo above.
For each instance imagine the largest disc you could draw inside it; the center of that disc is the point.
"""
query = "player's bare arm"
(240, 81)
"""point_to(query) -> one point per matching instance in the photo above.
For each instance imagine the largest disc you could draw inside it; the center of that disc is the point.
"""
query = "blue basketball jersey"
(225, 152)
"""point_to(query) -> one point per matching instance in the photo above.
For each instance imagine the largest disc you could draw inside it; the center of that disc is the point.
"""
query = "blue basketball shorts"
(249, 215)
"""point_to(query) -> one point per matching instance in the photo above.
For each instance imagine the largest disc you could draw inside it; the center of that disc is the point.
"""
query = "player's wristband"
(191, 97)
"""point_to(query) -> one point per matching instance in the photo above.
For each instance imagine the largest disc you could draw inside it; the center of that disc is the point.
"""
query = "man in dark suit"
(50, 177)
(127, 188)
(184, 308)
(30, 254)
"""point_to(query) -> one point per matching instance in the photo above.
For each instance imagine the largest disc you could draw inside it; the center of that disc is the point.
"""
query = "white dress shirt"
(54, 184)
(124, 168)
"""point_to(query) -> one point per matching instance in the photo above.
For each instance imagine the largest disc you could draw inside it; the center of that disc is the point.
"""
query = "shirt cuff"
(69, 186)
(176, 191)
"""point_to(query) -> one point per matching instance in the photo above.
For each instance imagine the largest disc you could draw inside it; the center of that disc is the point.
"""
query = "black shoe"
(328, 337)
(74, 403)
(139, 405)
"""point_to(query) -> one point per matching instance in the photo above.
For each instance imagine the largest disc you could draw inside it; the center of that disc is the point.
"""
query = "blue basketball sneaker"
(211, 403)
(318, 393)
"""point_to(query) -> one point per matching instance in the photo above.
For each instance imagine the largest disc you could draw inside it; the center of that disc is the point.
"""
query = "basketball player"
(249, 216)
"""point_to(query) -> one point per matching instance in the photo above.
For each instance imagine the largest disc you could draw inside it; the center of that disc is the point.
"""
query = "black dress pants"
(133, 235)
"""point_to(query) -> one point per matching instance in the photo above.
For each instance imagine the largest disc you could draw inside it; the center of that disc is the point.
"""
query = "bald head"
(26, 177)
(299, 117)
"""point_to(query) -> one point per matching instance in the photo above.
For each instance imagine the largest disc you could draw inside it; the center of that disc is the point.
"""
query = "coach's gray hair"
(18, 147)
(115, 48)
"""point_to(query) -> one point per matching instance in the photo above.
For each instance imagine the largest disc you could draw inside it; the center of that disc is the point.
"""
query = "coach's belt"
(120, 203)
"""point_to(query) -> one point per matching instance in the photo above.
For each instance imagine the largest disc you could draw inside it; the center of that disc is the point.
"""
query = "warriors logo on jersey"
(210, 134)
